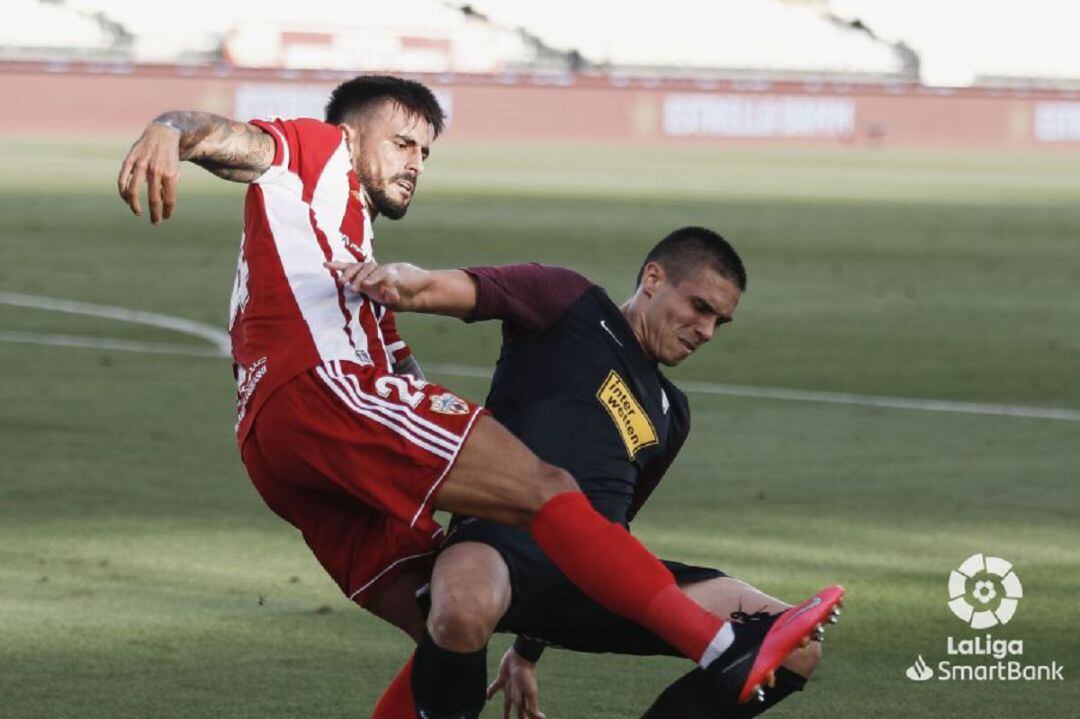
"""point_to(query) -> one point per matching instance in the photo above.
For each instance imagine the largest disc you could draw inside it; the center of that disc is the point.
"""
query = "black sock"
(448, 685)
(691, 696)
(694, 696)
(787, 683)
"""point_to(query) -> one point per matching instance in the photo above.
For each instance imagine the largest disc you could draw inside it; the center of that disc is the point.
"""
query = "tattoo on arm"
(229, 149)
(409, 366)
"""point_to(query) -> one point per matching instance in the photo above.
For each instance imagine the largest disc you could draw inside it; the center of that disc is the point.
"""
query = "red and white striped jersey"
(288, 314)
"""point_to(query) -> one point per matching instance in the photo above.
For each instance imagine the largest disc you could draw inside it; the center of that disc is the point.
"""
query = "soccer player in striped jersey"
(356, 456)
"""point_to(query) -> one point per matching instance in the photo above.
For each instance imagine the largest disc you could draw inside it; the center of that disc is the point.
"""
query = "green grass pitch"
(141, 576)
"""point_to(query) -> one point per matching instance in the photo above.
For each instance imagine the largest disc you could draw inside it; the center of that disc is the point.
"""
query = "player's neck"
(369, 205)
(636, 319)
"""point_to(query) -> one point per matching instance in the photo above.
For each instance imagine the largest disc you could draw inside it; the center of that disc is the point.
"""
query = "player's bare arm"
(229, 149)
(407, 288)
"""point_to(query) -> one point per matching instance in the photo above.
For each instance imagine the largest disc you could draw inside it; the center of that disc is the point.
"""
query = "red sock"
(616, 571)
(396, 702)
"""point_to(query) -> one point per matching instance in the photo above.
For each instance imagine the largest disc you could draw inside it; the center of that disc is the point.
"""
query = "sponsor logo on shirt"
(246, 380)
(447, 403)
(240, 295)
(630, 419)
(608, 330)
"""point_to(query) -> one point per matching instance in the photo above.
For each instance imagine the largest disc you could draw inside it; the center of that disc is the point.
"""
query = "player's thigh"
(497, 477)
(470, 592)
(727, 596)
(355, 431)
(364, 550)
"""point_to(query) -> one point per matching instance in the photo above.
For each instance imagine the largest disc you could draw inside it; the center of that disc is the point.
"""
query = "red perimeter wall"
(109, 100)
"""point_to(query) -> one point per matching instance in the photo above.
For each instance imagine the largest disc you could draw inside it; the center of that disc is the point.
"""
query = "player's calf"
(447, 684)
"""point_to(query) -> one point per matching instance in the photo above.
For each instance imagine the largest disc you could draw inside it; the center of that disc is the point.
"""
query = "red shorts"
(353, 457)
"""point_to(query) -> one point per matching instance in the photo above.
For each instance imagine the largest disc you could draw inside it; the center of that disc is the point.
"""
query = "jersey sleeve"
(532, 296)
(396, 346)
(654, 471)
(302, 148)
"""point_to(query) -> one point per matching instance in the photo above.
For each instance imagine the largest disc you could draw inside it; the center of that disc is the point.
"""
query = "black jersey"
(574, 385)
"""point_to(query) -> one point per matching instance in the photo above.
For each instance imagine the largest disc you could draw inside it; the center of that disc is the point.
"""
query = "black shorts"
(547, 607)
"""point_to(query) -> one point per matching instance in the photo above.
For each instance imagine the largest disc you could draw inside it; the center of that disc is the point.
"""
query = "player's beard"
(385, 204)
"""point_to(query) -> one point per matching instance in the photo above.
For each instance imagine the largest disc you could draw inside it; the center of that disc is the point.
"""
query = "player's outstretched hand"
(517, 681)
(155, 160)
(388, 285)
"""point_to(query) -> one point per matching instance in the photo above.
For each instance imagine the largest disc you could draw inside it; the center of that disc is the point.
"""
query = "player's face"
(682, 316)
(388, 152)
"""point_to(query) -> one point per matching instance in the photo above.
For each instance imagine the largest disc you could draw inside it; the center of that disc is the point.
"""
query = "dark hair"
(690, 247)
(364, 92)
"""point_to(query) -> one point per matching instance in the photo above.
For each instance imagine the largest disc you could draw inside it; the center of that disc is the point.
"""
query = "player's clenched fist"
(155, 160)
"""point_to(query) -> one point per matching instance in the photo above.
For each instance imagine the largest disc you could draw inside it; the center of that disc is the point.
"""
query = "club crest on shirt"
(634, 425)
(447, 403)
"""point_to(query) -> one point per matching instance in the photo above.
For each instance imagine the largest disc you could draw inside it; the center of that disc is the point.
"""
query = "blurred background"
(899, 390)
(997, 75)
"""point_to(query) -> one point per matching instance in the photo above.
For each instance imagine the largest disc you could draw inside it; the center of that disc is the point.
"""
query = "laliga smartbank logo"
(993, 588)
(984, 592)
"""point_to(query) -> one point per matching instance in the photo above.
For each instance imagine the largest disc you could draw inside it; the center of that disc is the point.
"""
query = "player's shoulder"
(571, 280)
(304, 146)
(559, 273)
(306, 125)
(304, 132)
(546, 279)
(311, 126)
(576, 292)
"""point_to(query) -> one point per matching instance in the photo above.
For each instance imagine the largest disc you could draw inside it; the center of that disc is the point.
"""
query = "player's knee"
(464, 620)
(804, 661)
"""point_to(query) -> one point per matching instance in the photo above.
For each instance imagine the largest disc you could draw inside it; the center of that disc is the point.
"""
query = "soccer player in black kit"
(578, 382)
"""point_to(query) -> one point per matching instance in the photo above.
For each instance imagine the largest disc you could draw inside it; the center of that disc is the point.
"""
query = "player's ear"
(652, 277)
(352, 135)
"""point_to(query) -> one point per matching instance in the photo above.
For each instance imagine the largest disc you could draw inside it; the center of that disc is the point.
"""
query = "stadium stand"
(42, 31)
(757, 40)
(990, 44)
(762, 38)
(406, 35)
(749, 37)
